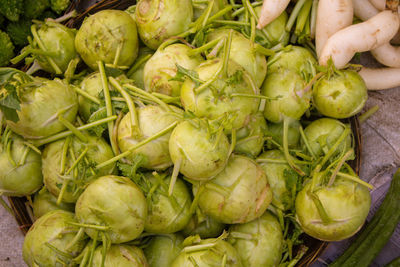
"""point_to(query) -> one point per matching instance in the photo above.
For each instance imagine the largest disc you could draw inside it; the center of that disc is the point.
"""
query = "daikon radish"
(387, 55)
(364, 10)
(381, 78)
(361, 37)
(271, 9)
(332, 16)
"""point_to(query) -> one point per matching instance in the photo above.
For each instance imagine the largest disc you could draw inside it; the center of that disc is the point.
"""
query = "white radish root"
(378, 4)
(387, 55)
(271, 9)
(364, 10)
(361, 37)
(381, 78)
(332, 16)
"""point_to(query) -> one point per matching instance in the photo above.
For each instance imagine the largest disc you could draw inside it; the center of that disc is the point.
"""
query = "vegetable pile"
(188, 133)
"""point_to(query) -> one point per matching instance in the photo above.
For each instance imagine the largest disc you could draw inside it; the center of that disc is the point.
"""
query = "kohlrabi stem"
(303, 249)
(216, 49)
(227, 51)
(232, 22)
(65, 17)
(31, 146)
(43, 47)
(77, 237)
(64, 134)
(355, 179)
(339, 166)
(205, 47)
(224, 259)
(5, 206)
(307, 144)
(242, 9)
(253, 29)
(135, 128)
(57, 251)
(107, 99)
(281, 161)
(168, 99)
(332, 150)
(90, 226)
(117, 54)
(198, 247)
(289, 158)
(93, 248)
(24, 155)
(104, 248)
(72, 128)
(86, 95)
(303, 17)
(9, 153)
(34, 68)
(196, 199)
(29, 50)
(174, 176)
(366, 115)
(148, 95)
(76, 162)
(253, 96)
(264, 51)
(62, 191)
(313, 19)
(138, 63)
(241, 235)
(136, 146)
(294, 14)
(320, 208)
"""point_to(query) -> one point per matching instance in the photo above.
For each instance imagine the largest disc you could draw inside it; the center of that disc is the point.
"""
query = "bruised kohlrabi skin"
(276, 177)
(60, 40)
(264, 244)
(239, 194)
(201, 155)
(137, 75)
(98, 151)
(21, 168)
(162, 19)
(217, 100)
(41, 102)
(162, 250)
(44, 202)
(250, 138)
(203, 225)
(322, 134)
(295, 58)
(243, 53)
(346, 204)
(152, 119)
(275, 131)
(167, 214)
(115, 202)
(162, 67)
(291, 101)
(340, 95)
(120, 256)
(51, 232)
(221, 251)
(109, 36)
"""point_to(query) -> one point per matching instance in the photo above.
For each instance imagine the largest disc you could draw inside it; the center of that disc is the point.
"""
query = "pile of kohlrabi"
(177, 134)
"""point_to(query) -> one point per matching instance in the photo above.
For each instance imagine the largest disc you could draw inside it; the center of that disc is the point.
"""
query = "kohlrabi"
(239, 194)
(295, 58)
(113, 207)
(259, 242)
(121, 256)
(203, 225)
(250, 138)
(243, 52)
(109, 36)
(69, 165)
(162, 19)
(136, 72)
(53, 240)
(162, 67)
(21, 167)
(162, 250)
(44, 201)
(198, 153)
(275, 131)
(340, 95)
(207, 252)
(151, 119)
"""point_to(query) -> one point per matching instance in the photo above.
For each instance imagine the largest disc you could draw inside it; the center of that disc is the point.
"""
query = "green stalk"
(303, 16)
(148, 95)
(174, 176)
(227, 52)
(5, 206)
(136, 146)
(198, 247)
(231, 22)
(90, 226)
(366, 115)
(264, 51)
(294, 14)
(92, 249)
(240, 235)
(9, 154)
(104, 248)
(135, 129)
(109, 109)
(313, 19)
(339, 166)
(24, 155)
(355, 179)
(305, 140)
(289, 158)
(253, 96)
(253, 29)
(204, 47)
(64, 134)
(43, 47)
(31, 146)
(86, 95)
(332, 150)
(77, 237)
(76, 162)
(321, 210)
(72, 128)
(138, 63)
(30, 50)
(64, 155)
(281, 161)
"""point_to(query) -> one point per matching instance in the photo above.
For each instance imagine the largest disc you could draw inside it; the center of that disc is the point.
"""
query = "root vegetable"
(361, 37)
(271, 9)
(380, 78)
(364, 10)
(387, 55)
(332, 16)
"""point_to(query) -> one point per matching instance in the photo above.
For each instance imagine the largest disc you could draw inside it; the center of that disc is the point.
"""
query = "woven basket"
(20, 205)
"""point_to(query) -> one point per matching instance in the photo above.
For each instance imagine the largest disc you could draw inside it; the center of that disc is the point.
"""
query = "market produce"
(211, 141)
